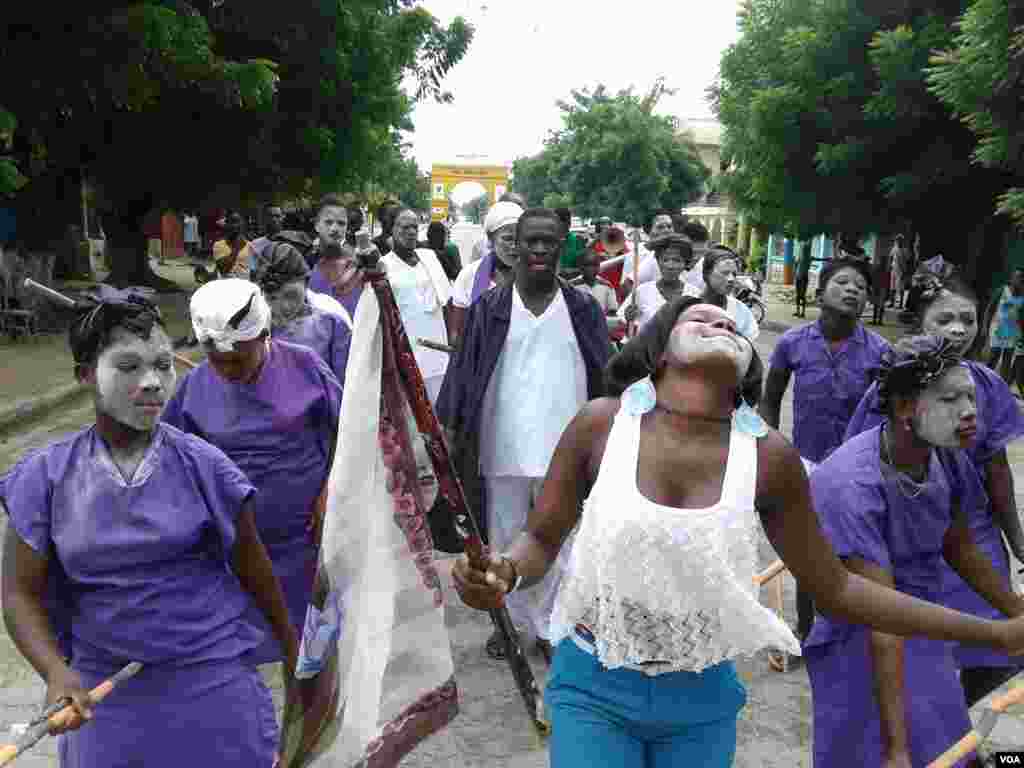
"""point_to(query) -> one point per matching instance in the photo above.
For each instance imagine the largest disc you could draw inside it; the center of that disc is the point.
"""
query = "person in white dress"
(720, 267)
(664, 486)
(672, 252)
(422, 291)
(660, 224)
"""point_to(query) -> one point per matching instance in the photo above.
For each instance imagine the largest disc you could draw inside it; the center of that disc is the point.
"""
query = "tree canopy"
(981, 78)
(830, 125)
(613, 156)
(175, 103)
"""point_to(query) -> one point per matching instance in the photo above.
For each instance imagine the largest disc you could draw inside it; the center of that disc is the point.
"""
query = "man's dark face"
(233, 226)
(540, 241)
(275, 220)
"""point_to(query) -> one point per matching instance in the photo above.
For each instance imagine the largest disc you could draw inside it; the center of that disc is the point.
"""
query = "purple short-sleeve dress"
(348, 298)
(325, 334)
(867, 515)
(1000, 422)
(146, 576)
(828, 384)
(280, 430)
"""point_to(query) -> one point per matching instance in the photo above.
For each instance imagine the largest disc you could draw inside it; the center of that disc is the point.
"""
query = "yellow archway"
(444, 178)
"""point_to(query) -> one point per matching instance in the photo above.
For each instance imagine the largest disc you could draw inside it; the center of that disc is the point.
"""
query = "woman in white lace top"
(658, 597)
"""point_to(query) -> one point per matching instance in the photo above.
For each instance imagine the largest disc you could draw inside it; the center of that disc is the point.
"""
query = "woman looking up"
(895, 502)
(150, 540)
(948, 308)
(667, 483)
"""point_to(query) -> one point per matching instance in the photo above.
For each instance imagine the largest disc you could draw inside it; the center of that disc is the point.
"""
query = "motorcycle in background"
(748, 290)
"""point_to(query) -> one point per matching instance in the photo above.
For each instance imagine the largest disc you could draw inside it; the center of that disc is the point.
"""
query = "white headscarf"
(500, 215)
(227, 311)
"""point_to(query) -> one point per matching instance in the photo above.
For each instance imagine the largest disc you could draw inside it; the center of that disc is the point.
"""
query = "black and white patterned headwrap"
(101, 310)
(913, 365)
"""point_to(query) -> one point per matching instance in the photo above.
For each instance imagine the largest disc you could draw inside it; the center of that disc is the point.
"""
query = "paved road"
(492, 729)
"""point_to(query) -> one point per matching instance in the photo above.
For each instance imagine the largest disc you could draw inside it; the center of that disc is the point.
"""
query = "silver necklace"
(901, 478)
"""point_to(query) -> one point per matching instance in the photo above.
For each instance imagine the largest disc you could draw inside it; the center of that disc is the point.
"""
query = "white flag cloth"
(375, 673)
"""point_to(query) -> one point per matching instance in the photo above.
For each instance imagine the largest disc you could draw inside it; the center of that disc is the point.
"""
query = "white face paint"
(504, 240)
(287, 304)
(332, 224)
(134, 378)
(946, 412)
(953, 317)
(704, 334)
(722, 278)
(846, 292)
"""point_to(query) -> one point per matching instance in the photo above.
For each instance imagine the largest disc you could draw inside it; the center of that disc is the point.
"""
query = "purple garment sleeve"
(1002, 420)
(780, 355)
(25, 492)
(867, 415)
(851, 517)
(482, 279)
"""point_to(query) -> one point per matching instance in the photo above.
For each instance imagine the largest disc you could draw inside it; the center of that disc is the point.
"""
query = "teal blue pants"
(623, 718)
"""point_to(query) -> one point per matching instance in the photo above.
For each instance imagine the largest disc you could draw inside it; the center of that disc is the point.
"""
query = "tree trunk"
(127, 248)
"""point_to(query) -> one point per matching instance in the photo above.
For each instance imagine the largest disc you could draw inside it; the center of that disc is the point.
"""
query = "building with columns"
(714, 210)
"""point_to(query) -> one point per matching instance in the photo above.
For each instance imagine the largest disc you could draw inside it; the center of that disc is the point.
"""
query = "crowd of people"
(619, 486)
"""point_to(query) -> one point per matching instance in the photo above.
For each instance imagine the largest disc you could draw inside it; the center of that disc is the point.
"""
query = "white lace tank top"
(662, 584)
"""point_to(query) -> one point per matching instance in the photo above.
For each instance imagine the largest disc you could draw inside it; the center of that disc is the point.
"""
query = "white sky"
(527, 54)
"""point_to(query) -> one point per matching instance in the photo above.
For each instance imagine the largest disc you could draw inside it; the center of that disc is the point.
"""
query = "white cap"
(500, 215)
(227, 311)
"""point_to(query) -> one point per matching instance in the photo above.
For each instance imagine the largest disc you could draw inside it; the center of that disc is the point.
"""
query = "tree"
(830, 126)
(476, 209)
(171, 103)
(614, 156)
(981, 78)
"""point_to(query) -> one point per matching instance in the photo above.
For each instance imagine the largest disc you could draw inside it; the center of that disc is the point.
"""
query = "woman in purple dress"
(894, 502)
(272, 407)
(949, 309)
(283, 276)
(336, 271)
(149, 536)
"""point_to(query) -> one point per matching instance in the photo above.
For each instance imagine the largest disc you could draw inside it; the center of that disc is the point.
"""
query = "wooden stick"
(980, 732)
(10, 751)
(632, 328)
(436, 345)
(769, 573)
(66, 301)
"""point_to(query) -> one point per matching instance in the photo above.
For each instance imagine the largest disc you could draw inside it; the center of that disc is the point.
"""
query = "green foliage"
(613, 157)
(981, 78)
(193, 103)
(11, 179)
(476, 209)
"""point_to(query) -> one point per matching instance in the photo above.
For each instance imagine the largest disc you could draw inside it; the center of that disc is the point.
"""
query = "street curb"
(27, 410)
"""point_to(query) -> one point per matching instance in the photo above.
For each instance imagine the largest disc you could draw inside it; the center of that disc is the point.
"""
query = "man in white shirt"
(533, 353)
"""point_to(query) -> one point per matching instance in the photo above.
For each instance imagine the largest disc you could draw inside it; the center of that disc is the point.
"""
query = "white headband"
(501, 215)
(228, 311)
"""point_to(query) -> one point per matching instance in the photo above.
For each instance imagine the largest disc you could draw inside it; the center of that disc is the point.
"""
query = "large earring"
(908, 424)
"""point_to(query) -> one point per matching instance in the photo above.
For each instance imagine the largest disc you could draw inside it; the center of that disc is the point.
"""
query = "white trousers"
(509, 501)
